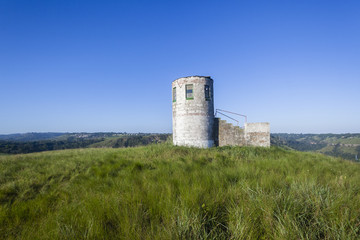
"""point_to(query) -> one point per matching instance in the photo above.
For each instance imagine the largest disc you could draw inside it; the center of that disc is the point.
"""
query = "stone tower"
(193, 111)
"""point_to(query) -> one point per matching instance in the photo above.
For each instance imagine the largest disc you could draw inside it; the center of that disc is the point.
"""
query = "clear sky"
(71, 66)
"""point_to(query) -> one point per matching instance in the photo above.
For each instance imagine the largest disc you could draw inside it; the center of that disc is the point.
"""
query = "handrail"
(229, 117)
(217, 110)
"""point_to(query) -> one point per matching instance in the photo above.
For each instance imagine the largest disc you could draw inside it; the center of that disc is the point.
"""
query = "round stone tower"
(193, 111)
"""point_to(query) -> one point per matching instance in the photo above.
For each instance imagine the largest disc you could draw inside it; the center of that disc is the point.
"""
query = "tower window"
(189, 91)
(207, 93)
(174, 94)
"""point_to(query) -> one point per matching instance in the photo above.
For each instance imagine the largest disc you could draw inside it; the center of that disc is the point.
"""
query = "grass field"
(167, 192)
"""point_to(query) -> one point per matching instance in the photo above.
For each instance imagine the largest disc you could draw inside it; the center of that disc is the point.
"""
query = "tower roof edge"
(194, 76)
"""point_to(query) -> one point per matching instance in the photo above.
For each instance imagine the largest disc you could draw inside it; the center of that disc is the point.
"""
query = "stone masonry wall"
(193, 119)
(253, 134)
(228, 134)
(257, 134)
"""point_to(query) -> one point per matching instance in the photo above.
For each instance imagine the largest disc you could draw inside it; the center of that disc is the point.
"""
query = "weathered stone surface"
(253, 134)
(227, 134)
(193, 119)
(257, 134)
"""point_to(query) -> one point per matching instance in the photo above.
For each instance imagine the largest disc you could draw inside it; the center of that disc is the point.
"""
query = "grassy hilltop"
(167, 192)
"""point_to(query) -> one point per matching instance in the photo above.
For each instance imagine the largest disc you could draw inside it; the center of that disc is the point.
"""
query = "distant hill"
(346, 146)
(16, 143)
(35, 136)
(24, 137)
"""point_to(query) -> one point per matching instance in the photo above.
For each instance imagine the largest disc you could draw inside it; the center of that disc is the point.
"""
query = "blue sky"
(74, 66)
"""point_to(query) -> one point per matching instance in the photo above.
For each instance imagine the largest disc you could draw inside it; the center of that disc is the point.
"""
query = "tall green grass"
(167, 192)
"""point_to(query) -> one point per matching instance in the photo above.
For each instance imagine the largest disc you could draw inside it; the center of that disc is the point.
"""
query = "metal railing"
(220, 111)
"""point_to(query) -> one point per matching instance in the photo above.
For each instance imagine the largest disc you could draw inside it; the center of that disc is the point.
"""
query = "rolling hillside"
(21, 144)
(166, 192)
(346, 146)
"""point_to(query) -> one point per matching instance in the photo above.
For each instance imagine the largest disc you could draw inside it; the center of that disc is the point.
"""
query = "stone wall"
(228, 134)
(257, 134)
(253, 134)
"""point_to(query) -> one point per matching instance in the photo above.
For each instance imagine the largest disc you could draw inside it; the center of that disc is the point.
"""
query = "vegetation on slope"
(346, 146)
(81, 140)
(24, 137)
(167, 192)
